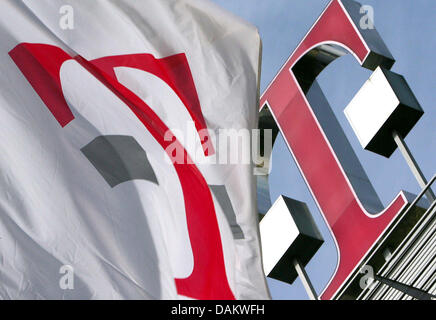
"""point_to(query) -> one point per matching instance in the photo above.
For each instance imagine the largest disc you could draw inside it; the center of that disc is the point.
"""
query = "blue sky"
(407, 27)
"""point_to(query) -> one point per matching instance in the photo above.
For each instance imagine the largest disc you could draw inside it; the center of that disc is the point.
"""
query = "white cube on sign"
(287, 232)
(384, 104)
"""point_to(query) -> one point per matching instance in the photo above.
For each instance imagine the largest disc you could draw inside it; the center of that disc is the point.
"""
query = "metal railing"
(408, 242)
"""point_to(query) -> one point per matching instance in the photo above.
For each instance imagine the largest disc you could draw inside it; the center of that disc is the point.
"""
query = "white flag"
(110, 187)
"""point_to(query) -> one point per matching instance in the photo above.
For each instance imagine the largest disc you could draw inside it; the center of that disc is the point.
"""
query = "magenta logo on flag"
(41, 65)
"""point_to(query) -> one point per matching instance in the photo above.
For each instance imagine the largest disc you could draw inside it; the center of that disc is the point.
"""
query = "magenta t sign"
(354, 229)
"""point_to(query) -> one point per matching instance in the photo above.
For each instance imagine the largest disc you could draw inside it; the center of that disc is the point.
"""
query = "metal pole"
(413, 165)
(306, 281)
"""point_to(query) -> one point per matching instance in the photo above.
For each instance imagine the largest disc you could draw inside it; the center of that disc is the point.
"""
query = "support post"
(411, 162)
(305, 279)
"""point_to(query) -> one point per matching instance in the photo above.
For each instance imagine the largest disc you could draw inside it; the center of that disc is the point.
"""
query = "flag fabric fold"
(110, 181)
